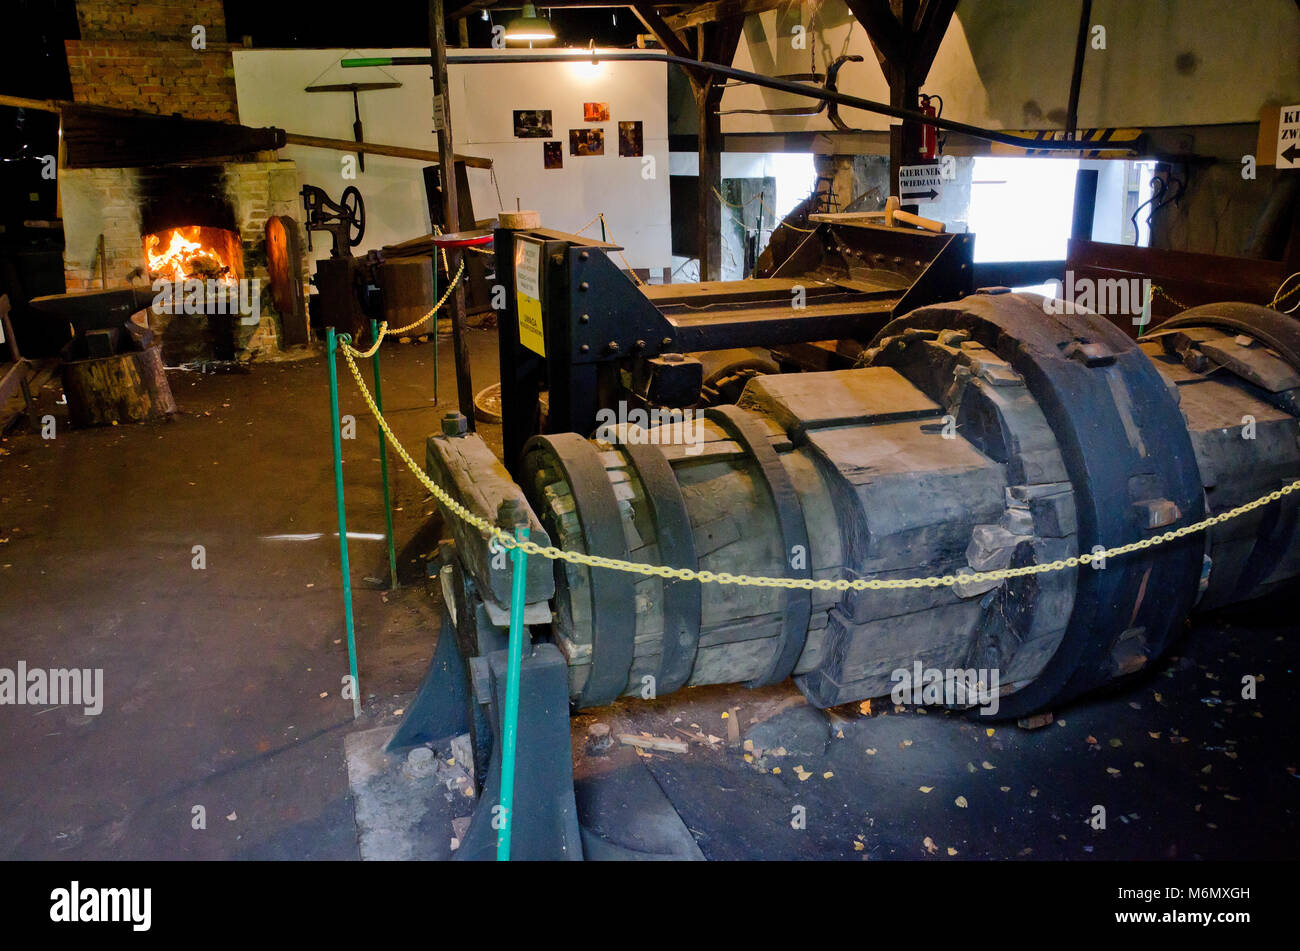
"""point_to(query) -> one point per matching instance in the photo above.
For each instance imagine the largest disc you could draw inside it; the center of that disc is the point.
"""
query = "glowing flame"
(185, 256)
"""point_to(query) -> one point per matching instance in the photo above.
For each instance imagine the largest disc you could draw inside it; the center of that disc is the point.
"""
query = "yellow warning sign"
(528, 294)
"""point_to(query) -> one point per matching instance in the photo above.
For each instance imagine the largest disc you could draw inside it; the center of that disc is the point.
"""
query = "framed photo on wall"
(631, 140)
(586, 142)
(533, 124)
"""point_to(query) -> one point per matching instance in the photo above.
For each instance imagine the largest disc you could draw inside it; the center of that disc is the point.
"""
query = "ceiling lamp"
(529, 28)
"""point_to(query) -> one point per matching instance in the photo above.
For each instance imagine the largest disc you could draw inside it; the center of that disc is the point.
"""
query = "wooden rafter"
(661, 31)
(721, 10)
(905, 36)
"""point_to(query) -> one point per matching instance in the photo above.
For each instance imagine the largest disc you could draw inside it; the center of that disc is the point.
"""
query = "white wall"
(269, 84)
(1007, 64)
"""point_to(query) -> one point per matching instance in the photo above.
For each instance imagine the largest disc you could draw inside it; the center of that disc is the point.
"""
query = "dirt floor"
(223, 684)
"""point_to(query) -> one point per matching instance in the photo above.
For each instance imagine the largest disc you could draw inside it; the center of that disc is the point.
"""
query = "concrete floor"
(222, 685)
(214, 678)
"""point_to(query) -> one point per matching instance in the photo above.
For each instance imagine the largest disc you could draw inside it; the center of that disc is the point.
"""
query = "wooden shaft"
(450, 207)
(396, 151)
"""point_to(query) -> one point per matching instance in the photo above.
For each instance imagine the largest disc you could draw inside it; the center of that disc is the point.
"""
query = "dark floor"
(222, 685)
(214, 678)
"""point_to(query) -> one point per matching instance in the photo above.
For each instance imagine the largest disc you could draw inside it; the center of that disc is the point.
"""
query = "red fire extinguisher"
(929, 134)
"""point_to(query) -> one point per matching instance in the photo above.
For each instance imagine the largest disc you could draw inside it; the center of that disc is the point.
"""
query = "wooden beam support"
(719, 11)
(905, 36)
(717, 43)
(883, 29)
(667, 37)
(450, 208)
(933, 26)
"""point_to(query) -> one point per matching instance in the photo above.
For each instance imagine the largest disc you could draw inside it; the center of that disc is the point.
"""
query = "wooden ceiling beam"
(667, 37)
(721, 10)
(934, 19)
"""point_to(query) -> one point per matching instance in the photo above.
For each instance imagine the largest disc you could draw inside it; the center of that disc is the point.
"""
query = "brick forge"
(140, 55)
(137, 54)
(108, 202)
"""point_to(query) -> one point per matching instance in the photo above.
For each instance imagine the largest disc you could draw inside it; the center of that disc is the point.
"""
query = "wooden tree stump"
(126, 387)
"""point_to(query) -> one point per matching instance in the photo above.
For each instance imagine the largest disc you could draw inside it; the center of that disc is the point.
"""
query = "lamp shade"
(528, 27)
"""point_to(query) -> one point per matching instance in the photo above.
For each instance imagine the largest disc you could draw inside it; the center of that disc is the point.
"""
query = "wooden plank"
(372, 148)
(18, 102)
(661, 743)
(707, 13)
(466, 468)
(838, 397)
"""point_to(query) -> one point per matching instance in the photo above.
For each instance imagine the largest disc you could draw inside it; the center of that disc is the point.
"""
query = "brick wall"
(137, 54)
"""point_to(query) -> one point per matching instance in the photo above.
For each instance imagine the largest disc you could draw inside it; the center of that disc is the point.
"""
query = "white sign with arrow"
(1288, 137)
(919, 183)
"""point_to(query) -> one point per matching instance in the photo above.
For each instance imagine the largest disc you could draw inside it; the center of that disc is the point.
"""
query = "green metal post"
(383, 461)
(331, 344)
(435, 325)
(602, 229)
(510, 718)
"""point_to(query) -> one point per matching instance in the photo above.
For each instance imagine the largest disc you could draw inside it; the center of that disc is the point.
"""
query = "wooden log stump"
(125, 387)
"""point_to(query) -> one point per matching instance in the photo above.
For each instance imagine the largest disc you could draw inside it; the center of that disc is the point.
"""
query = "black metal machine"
(969, 435)
(599, 338)
(341, 279)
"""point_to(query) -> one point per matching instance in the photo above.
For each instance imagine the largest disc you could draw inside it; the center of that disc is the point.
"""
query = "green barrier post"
(331, 346)
(435, 325)
(510, 717)
(383, 461)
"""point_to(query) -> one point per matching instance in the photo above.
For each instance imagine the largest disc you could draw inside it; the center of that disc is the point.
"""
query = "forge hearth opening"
(194, 251)
(188, 224)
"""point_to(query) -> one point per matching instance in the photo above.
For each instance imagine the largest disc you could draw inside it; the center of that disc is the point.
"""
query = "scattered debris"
(661, 743)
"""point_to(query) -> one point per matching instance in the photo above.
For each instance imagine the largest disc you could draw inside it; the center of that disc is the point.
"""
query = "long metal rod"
(331, 347)
(435, 325)
(383, 462)
(1076, 77)
(510, 716)
(756, 79)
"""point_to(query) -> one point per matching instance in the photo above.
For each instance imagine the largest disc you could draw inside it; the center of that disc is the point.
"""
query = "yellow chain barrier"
(385, 330)
(1157, 289)
(506, 540)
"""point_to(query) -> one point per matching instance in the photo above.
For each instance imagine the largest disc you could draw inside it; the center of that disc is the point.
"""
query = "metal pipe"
(510, 716)
(383, 462)
(331, 347)
(1076, 78)
(756, 79)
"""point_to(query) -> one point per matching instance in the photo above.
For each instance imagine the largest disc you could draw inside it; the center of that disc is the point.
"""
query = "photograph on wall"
(552, 155)
(533, 124)
(630, 139)
(595, 112)
(586, 141)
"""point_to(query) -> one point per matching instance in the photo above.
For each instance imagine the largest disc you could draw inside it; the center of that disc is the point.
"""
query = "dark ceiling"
(405, 23)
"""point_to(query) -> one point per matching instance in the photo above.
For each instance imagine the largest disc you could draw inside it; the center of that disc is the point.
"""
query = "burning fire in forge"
(178, 254)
